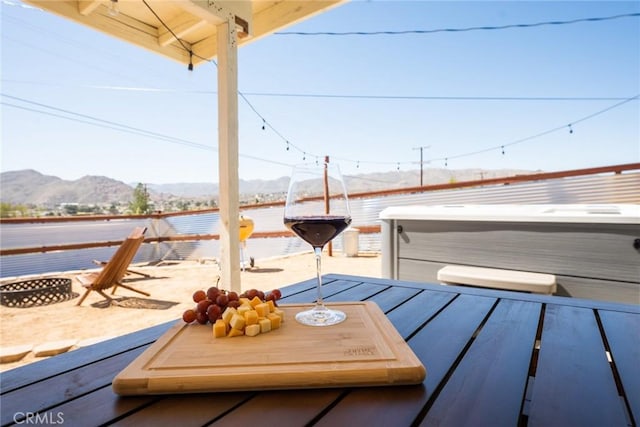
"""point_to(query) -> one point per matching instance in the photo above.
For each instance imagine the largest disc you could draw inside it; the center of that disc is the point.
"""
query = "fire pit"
(36, 292)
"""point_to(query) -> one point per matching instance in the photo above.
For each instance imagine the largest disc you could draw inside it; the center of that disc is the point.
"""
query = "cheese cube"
(251, 317)
(228, 314)
(219, 328)
(237, 321)
(275, 320)
(252, 330)
(265, 325)
(272, 306)
(255, 301)
(279, 313)
(235, 332)
(244, 308)
(262, 309)
(244, 300)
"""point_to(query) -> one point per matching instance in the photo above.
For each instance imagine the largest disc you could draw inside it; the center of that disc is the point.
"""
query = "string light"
(446, 159)
(190, 67)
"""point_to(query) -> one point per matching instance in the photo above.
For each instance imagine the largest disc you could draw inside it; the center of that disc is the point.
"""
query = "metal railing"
(39, 245)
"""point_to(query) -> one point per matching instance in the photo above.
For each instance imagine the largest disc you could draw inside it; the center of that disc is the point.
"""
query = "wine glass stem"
(318, 253)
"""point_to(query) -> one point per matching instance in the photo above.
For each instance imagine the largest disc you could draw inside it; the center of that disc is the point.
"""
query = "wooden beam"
(228, 155)
(85, 7)
(121, 26)
(220, 11)
(286, 13)
(181, 25)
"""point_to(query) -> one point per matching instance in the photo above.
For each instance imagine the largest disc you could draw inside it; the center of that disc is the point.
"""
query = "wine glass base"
(320, 317)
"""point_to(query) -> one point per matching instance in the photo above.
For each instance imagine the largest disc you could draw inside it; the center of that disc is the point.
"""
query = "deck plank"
(488, 386)
(623, 334)
(185, 410)
(285, 408)
(329, 287)
(103, 405)
(393, 297)
(574, 384)
(54, 391)
(37, 371)
(437, 352)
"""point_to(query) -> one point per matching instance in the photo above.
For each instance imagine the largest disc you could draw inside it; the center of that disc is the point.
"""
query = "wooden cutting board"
(364, 350)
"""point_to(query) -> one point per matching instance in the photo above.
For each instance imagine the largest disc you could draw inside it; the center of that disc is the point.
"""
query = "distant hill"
(32, 187)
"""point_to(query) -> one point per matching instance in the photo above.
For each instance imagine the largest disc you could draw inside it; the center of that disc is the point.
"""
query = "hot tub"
(594, 250)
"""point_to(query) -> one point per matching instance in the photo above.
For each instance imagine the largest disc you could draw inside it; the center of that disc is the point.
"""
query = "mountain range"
(32, 187)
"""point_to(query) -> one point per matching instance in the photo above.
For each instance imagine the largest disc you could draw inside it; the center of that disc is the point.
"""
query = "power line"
(335, 95)
(107, 124)
(453, 30)
(266, 124)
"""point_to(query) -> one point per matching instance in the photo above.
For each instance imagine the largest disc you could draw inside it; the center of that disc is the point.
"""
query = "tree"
(140, 204)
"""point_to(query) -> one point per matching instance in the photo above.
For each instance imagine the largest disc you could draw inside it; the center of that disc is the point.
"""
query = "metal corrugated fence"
(590, 189)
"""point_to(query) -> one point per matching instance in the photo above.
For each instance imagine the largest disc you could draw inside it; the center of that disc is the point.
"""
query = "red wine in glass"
(317, 230)
(317, 223)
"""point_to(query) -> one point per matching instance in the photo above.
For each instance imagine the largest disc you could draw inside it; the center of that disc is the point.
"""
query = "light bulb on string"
(446, 162)
(190, 67)
(263, 124)
(570, 128)
(502, 150)
(304, 156)
(287, 145)
(358, 165)
(398, 167)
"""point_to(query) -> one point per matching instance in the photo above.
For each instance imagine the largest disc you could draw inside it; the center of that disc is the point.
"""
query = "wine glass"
(317, 221)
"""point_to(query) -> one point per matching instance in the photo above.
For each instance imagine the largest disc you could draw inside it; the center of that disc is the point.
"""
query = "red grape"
(260, 295)
(203, 305)
(214, 312)
(277, 293)
(202, 318)
(213, 292)
(251, 293)
(222, 300)
(189, 316)
(234, 304)
(199, 295)
(233, 296)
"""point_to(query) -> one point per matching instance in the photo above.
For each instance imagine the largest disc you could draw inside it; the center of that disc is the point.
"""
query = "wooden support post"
(228, 155)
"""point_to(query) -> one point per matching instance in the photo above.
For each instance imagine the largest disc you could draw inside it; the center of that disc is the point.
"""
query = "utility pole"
(421, 159)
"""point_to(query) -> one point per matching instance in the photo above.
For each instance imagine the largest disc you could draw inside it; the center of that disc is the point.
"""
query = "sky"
(549, 97)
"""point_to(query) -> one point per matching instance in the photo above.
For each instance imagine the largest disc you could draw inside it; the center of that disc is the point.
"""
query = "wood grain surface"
(364, 350)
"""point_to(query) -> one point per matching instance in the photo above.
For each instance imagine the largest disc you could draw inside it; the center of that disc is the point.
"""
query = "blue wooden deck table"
(493, 358)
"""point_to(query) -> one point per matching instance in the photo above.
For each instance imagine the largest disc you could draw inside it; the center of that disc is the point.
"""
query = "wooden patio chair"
(115, 269)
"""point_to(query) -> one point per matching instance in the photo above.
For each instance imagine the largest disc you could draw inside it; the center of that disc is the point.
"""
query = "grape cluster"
(211, 304)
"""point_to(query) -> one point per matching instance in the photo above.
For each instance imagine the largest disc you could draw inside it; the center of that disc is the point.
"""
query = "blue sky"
(367, 101)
